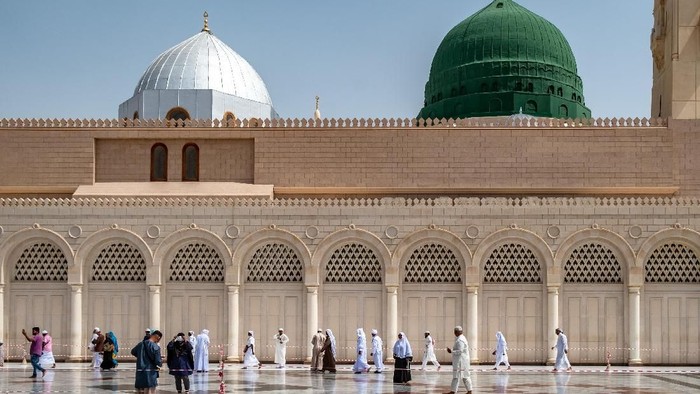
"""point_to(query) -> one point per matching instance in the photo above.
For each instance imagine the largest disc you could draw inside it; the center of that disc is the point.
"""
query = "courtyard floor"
(78, 378)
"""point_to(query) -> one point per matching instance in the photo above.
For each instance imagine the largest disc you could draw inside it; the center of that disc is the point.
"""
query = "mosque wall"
(518, 266)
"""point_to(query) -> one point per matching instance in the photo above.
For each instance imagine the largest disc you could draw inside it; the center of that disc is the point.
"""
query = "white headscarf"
(330, 335)
(361, 339)
(402, 348)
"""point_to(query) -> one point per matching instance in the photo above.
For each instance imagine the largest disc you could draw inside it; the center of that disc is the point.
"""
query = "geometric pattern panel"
(672, 263)
(43, 262)
(353, 263)
(512, 263)
(119, 262)
(432, 263)
(197, 263)
(592, 263)
(275, 263)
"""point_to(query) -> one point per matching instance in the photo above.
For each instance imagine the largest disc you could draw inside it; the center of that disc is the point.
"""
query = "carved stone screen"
(432, 263)
(512, 263)
(119, 262)
(42, 262)
(197, 263)
(275, 263)
(672, 263)
(592, 263)
(353, 263)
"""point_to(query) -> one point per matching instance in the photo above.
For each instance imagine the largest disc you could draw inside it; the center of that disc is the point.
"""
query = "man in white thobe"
(562, 347)
(201, 355)
(317, 342)
(501, 351)
(460, 362)
(377, 352)
(429, 353)
(193, 340)
(281, 340)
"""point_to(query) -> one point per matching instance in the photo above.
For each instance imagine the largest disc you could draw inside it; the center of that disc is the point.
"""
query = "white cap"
(459, 328)
(374, 331)
(280, 329)
(44, 332)
(97, 329)
(427, 332)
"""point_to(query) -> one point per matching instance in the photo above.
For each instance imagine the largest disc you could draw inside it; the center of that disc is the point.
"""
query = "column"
(311, 317)
(552, 321)
(472, 328)
(77, 342)
(154, 298)
(392, 326)
(233, 317)
(2, 312)
(634, 342)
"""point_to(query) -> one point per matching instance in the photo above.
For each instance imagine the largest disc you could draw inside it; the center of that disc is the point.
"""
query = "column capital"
(473, 289)
(73, 288)
(553, 289)
(312, 289)
(154, 288)
(634, 289)
(233, 289)
(392, 289)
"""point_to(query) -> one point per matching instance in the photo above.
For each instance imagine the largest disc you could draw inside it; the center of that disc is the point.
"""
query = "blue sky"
(365, 58)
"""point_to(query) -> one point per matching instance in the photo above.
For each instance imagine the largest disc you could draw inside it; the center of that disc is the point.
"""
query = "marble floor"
(78, 378)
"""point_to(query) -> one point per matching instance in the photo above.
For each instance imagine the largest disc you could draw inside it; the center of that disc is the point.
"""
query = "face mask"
(179, 339)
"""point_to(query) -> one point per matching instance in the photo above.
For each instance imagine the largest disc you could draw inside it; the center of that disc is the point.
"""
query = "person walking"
(403, 356)
(99, 343)
(377, 352)
(501, 351)
(329, 353)
(91, 346)
(47, 357)
(35, 350)
(109, 355)
(193, 341)
(316, 350)
(180, 361)
(148, 363)
(201, 354)
(249, 358)
(281, 340)
(562, 347)
(460, 362)
(361, 364)
(429, 354)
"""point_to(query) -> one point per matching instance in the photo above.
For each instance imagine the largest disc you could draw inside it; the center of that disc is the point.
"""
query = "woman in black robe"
(403, 357)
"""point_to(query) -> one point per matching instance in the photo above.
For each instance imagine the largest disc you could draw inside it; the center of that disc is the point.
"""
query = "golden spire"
(317, 113)
(206, 22)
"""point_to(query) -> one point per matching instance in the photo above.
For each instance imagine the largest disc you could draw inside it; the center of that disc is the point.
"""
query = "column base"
(550, 361)
(232, 359)
(635, 362)
(75, 359)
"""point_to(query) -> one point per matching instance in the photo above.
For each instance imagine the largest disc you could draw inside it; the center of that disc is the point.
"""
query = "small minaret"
(206, 23)
(317, 113)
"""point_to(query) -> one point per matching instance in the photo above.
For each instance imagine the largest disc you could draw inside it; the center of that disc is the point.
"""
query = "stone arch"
(14, 242)
(610, 239)
(252, 242)
(683, 236)
(88, 250)
(528, 238)
(169, 247)
(421, 237)
(329, 244)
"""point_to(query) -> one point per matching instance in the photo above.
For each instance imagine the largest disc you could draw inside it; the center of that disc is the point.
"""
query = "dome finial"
(206, 23)
(317, 113)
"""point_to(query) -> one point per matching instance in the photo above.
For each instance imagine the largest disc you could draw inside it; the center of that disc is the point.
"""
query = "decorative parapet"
(355, 202)
(333, 123)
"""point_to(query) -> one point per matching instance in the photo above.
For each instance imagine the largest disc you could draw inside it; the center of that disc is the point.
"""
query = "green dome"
(502, 59)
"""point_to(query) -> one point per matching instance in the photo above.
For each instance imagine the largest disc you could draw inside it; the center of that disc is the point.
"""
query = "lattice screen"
(353, 263)
(512, 263)
(42, 262)
(275, 263)
(197, 263)
(119, 262)
(432, 263)
(672, 263)
(592, 263)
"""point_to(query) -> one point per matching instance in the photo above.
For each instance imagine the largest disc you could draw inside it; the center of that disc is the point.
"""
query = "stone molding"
(386, 202)
(370, 123)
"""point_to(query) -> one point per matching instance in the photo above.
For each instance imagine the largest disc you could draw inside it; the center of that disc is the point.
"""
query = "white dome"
(204, 62)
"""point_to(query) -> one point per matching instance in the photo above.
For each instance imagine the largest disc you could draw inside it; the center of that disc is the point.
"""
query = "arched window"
(190, 163)
(550, 89)
(495, 87)
(530, 87)
(159, 163)
(178, 113)
(560, 92)
(531, 106)
(573, 96)
(136, 115)
(518, 86)
(563, 111)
